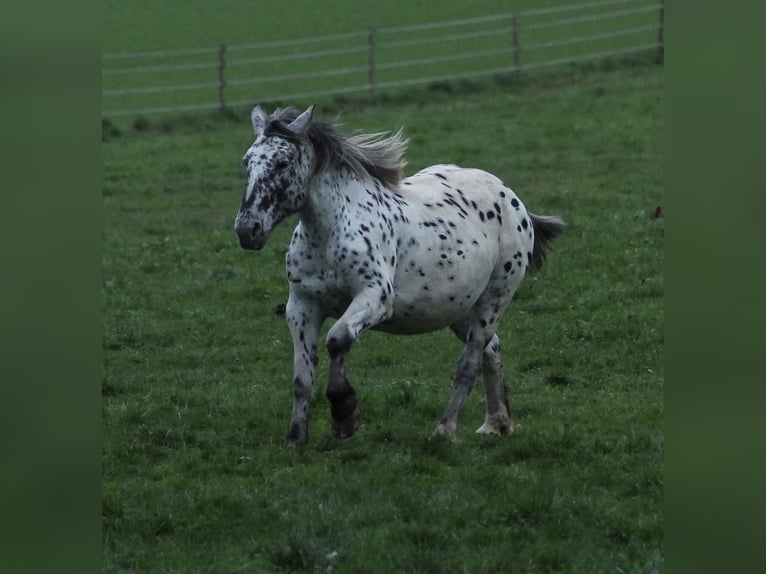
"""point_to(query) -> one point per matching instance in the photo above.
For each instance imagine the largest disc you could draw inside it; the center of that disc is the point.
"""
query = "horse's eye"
(281, 164)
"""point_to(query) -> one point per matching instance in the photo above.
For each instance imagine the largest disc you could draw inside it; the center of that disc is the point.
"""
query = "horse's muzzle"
(251, 236)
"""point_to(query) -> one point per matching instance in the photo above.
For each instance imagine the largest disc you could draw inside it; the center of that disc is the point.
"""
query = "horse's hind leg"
(498, 419)
(481, 352)
(465, 376)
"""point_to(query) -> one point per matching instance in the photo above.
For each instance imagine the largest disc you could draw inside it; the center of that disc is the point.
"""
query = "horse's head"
(278, 164)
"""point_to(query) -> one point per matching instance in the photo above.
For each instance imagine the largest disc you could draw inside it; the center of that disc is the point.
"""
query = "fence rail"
(229, 76)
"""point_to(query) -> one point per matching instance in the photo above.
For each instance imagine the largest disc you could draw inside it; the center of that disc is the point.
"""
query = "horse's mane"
(379, 155)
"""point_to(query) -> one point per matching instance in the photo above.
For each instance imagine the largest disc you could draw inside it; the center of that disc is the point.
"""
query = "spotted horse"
(445, 247)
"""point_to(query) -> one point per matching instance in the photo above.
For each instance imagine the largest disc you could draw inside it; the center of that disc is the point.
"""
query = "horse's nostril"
(256, 228)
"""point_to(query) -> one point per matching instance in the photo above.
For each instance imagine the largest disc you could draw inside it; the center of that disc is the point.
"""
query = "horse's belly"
(430, 307)
(413, 324)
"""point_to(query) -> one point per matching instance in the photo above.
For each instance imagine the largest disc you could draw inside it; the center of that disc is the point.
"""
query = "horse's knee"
(339, 340)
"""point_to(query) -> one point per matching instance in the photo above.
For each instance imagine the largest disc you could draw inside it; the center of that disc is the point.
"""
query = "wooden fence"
(377, 59)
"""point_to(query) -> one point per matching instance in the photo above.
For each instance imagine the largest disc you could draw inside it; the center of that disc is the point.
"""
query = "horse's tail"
(547, 228)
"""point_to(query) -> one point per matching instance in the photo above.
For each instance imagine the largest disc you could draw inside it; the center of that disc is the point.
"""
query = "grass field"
(197, 364)
(176, 24)
(161, 56)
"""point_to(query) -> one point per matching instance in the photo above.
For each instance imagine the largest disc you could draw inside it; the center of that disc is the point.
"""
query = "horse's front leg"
(366, 310)
(304, 320)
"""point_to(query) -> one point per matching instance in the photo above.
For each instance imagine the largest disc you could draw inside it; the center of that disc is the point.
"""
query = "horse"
(445, 247)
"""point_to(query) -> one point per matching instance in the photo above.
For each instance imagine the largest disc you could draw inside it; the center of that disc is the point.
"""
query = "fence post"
(661, 35)
(371, 62)
(221, 79)
(516, 43)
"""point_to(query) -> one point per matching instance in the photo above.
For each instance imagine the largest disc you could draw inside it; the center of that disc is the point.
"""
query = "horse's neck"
(329, 197)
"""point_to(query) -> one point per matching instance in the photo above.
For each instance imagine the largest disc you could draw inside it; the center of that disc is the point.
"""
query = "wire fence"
(377, 59)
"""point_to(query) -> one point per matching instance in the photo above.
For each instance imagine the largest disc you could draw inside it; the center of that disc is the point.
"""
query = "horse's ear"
(259, 119)
(300, 125)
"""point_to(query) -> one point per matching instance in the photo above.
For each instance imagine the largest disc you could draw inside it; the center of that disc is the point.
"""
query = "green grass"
(176, 24)
(197, 364)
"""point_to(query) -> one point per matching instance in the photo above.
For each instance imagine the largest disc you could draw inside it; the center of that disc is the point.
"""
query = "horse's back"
(471, 181)
(474, 201)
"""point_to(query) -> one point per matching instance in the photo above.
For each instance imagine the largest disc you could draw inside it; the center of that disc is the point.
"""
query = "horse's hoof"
(499, 426)
(345, 428)
(294, 444)
(446, 432)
